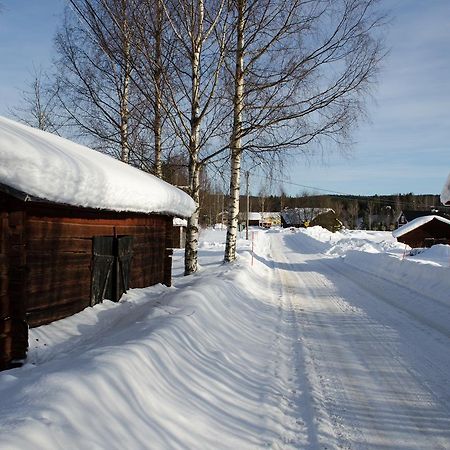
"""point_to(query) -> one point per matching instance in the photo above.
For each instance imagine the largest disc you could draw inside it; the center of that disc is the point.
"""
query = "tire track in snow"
(325, 427)
(357, 373)
(292, 395)
(432, 335)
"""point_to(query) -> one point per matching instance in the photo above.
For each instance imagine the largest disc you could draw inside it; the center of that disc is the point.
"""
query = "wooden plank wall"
(59, 267)
(149, 265)
(13, 326)
(60, 256)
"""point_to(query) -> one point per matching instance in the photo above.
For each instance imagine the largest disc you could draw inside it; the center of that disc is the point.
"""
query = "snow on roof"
(178, 222)
(445, 195)
(416, 223)
(49, 167)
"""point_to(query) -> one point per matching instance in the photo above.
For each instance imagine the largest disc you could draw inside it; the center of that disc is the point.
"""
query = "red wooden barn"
(76, 227)
(424, 232)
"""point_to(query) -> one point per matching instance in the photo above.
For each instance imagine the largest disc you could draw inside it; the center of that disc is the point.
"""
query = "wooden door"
(111, 264)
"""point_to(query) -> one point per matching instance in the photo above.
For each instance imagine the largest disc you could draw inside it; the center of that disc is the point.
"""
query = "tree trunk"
(125, 94)
(125, 148)
(191, 250)
(236, 140)
(157, 124)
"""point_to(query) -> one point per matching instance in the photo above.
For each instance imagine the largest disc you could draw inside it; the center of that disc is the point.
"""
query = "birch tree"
(95, 62)
(39, 107)
(198, 27)
(152, 70)
(301, 70)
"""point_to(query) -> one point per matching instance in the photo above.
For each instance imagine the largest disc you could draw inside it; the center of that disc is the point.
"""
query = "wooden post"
(404, 252)
(253, 237)
(248, 206)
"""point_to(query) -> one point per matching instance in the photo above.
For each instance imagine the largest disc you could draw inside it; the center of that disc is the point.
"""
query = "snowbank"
(52, 168)
(378, 253)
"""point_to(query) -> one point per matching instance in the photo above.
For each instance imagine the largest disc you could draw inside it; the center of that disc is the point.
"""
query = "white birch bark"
(191, 249)
(236, 140)
(125, 78)
(157, 108)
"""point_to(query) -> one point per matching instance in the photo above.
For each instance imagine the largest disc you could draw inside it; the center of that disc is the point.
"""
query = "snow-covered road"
(373, 368)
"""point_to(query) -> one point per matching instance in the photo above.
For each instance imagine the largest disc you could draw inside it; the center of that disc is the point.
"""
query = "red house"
(424, 232)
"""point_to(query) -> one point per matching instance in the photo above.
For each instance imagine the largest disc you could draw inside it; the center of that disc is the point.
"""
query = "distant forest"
(378, 212)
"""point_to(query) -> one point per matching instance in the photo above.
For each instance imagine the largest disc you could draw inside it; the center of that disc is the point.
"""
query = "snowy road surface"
(325, 341)
(374, 370)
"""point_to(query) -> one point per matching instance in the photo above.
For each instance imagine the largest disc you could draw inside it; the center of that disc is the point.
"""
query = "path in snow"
(372, 372)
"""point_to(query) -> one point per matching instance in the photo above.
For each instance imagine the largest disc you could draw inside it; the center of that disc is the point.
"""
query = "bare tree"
(353, 210)
(370, 212)
(39, 104)
(301, 69)
(152, 65)
(96, 50)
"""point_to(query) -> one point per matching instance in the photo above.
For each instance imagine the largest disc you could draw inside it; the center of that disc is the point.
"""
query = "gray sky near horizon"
(404, 147)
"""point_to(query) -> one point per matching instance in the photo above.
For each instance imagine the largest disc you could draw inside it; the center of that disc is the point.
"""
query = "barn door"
(110, 267)
(102, 268)
(123, 264)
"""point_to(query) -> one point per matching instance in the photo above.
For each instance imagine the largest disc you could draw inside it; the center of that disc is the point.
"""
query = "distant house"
(445, 195)
(308, 217)
(424, 231)
(408, 215)
(263, 219)
(76, 227)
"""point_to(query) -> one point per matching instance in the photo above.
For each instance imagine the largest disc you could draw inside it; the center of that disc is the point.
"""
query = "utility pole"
(247, 173)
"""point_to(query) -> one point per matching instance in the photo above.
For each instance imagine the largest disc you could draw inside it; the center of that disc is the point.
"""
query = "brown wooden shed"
(57, 258)
(424, 232)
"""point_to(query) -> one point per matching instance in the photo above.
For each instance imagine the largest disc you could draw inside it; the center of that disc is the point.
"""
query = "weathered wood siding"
(60, 258)
(13, 327)
(46, 261)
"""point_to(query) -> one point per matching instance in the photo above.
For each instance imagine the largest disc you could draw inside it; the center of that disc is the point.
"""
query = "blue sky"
(405, 147)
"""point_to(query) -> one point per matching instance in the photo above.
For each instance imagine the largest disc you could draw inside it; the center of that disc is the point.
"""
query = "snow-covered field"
(316, 341)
